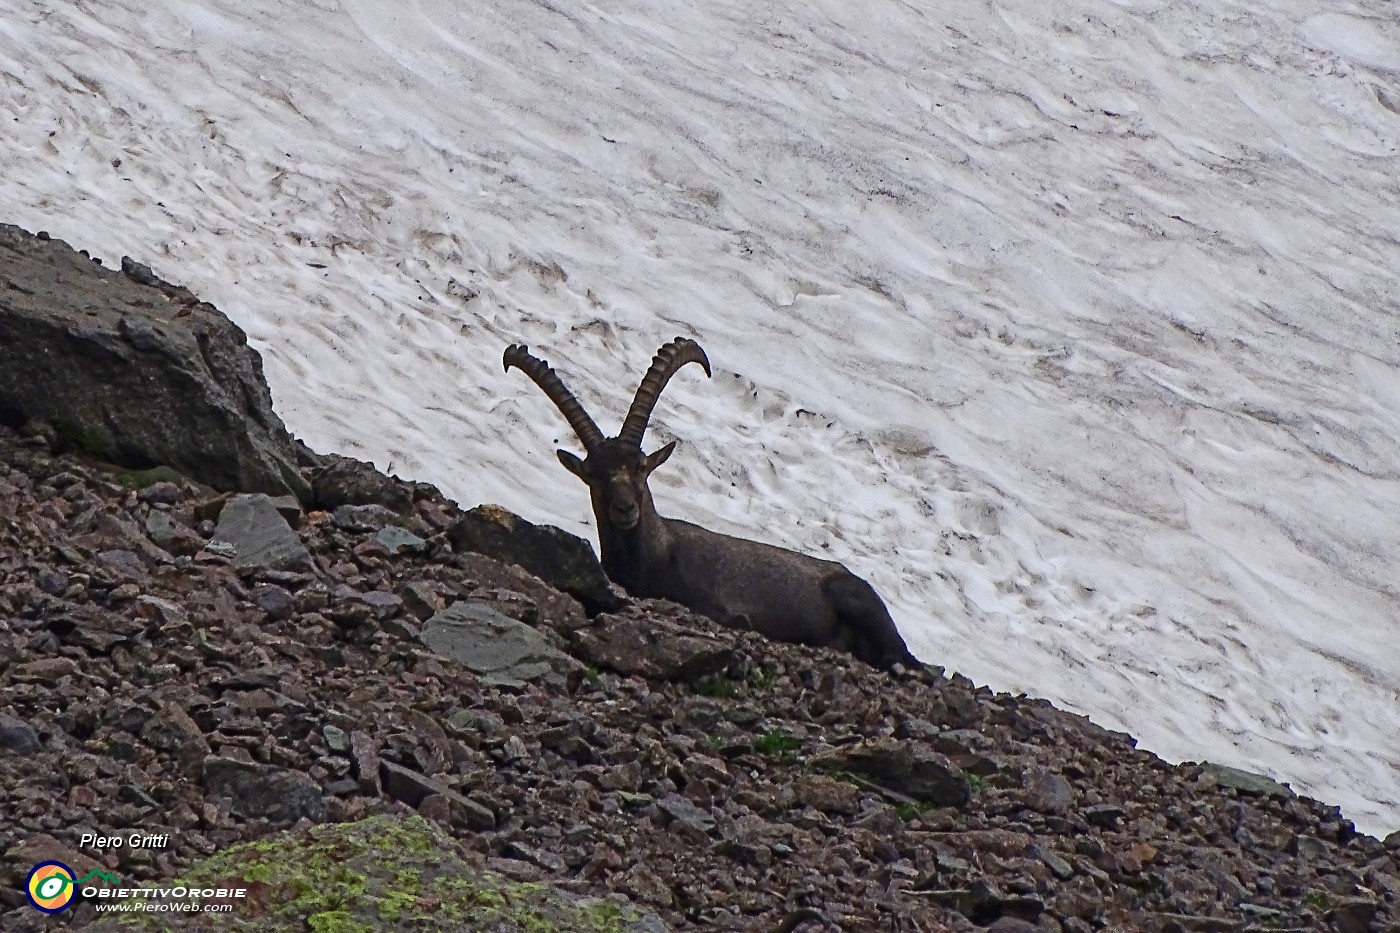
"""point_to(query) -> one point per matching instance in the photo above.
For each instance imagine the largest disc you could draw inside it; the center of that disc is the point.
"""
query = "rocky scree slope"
(222, 666)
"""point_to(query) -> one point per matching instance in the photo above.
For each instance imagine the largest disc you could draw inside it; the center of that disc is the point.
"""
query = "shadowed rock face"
(134, 370)
(560, 559)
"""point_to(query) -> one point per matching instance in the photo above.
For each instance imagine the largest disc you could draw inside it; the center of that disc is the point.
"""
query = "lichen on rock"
(386, 872)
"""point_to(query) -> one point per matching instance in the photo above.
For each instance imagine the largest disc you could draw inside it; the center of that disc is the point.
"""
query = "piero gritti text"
(131, 841)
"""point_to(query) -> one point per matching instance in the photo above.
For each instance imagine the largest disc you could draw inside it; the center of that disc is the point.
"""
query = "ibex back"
(780, 593)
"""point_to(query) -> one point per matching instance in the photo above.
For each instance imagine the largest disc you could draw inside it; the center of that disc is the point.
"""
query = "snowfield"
(1073, 326)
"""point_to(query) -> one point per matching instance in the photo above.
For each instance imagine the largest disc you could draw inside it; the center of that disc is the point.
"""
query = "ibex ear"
(574, 465)
(658, 457)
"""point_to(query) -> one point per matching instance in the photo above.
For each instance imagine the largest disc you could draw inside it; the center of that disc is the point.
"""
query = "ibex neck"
(630, 557)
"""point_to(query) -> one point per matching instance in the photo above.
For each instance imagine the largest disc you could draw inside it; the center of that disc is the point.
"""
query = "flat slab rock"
(253, 533)
(906, 767)
(499, 649)
(129, 368)
(1246, 782)
(651, 648)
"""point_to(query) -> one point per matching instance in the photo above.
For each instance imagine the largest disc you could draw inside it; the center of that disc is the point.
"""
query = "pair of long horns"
(664, 365)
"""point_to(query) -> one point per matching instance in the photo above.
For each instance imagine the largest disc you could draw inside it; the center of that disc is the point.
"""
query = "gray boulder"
(254, 534)
(562, 560)
(256, 790)
(129, 368)
(1246, 782)
(499, 649)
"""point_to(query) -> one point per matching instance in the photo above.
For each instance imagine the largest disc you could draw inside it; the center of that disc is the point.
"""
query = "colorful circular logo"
(51, 887)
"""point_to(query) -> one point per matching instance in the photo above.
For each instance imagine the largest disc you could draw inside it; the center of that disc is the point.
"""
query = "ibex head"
(615, 468)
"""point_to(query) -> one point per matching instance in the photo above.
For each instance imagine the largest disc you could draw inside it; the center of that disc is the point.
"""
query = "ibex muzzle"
(782, 594)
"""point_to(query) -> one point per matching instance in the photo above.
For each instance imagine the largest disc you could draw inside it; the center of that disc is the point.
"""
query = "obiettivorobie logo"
(51, 886)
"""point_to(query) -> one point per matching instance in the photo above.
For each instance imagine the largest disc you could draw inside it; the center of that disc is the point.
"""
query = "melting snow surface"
(1071, 325)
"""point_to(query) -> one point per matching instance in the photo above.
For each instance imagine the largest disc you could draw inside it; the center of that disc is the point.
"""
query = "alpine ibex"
(782, 594)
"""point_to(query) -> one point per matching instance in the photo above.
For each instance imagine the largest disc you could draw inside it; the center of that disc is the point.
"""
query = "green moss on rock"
(382, 873)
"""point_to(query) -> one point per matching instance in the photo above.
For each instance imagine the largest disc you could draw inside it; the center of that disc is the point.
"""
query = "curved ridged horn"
(518, 355)
(668, 359)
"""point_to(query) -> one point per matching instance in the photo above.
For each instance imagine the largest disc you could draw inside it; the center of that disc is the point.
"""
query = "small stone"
(1105, 815)
(909, 768)
(1047, 792)
(17, 736)
(274, 600)
(362, 517)
(52, 582)
(46, 670)
(1057, 864)
(421, 599)
(337, 739)
(683, 811)
(172, 730)
(162, 493)
(123, 562)
(500, 650)
(398, 540)
(829, 795)
(514, 749)
(365, 758)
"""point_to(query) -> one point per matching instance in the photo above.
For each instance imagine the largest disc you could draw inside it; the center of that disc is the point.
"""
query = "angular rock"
(274, 600)
(45, 670)
(171, 535)
(278, 794)
(1046, 791)
(906, 767)
(1103, 814)
(398, 540)
(412, 788)
(1057, 864)
(136, 374)
(421, 599)
(556, 609)
(163, 492)
(290, 509)
(499, 649)
(17, 737)
(125, 563)
(345, 481)
(365, 757)
(370, 517)
(1246, 782)
(560, 559)
(683, 811)
(829, 795)
(172, 730)
(258, 535)
(337, 739)
(1353, 915)
(656, 648)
